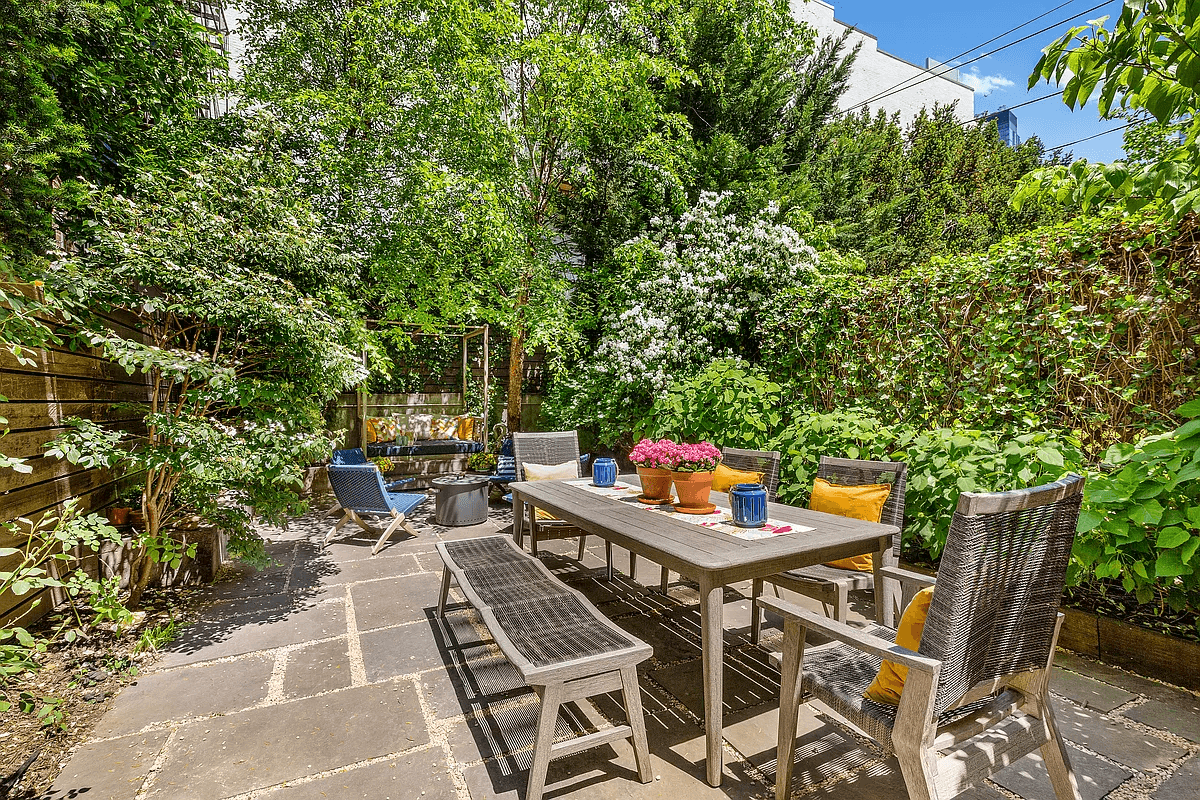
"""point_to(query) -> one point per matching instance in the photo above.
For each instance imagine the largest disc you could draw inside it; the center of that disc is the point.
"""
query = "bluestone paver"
(182, 694)
(1183, 785)
(422, 775)
(317, 668)
(1181, 717)
(263, 747)
(383, 603)
(1115, 740)
(399, 651)
(1088, 692)
(1029, 779)
(109, 770)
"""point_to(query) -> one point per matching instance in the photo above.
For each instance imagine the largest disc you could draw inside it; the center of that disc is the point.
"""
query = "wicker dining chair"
(550, 448)
(764, 461)
(976, 696)
(832, 585)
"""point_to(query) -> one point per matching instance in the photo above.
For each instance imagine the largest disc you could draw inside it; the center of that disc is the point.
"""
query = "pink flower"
(662, 454)
(699, 457)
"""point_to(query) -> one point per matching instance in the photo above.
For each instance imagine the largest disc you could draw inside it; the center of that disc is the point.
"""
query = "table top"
(460, 480)
(693, 549)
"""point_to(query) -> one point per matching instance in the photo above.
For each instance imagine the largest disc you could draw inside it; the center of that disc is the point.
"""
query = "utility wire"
(1095, 135)
(978, 57)
(970, 50)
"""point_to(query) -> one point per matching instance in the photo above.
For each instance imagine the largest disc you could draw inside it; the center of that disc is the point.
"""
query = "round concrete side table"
(461, 500)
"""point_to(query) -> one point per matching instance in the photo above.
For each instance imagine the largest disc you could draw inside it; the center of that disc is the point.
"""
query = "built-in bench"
(563, 647)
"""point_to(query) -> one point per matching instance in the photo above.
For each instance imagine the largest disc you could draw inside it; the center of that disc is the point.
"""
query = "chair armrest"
(584, 460)
(856, 638)
(401, 482)
(907, 577)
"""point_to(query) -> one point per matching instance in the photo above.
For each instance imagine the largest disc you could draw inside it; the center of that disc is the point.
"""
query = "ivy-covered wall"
(1090, 326)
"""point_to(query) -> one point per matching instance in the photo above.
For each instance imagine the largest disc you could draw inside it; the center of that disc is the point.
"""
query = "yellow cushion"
(377, 430)
(889, 682)
(466, 427)
(856, 502)
(558, 472)
(443, 428)
(725, 478)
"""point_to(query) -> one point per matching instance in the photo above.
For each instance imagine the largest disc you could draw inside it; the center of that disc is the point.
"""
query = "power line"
(1019, 105)
(970, 50)
(979, 57)
(1094, 135)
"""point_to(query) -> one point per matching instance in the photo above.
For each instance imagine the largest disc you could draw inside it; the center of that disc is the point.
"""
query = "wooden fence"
(42, 396)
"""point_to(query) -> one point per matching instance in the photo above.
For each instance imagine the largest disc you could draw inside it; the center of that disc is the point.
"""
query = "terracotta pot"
(117, 515)
(137, 519)
(656, 484)
(693, 489)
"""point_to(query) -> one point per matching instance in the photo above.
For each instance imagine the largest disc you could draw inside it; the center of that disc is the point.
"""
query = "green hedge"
(1141, 519)
(1091, 326)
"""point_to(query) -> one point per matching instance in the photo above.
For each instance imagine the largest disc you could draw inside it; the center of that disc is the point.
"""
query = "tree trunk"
(516, 372)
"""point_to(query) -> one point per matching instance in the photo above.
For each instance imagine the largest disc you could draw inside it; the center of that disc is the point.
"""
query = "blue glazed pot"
(604, 472)
(748, 502)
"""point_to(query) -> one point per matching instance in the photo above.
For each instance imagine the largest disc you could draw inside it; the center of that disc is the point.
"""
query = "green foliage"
(1141, 521)
(900, 196)
(1148, 62)
(942, 462)
(210, 258)
(729, 403)
(1088, 326)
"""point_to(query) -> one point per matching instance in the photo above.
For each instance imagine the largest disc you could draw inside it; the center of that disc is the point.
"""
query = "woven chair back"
(853, 472)
(550, 448)
(999, 584)
(359, 487)
(764, 461)
(353, 455)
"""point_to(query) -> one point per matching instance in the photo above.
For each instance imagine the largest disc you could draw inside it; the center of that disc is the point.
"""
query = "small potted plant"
(654, 462)
(693, 476)
(127, 503)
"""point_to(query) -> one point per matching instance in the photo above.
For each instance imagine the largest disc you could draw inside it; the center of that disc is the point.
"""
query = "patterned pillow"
(378, 430)
(419, 426)
(443, 428)
(466, 427)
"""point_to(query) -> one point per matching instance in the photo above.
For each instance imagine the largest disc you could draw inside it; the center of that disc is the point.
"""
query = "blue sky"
(940, 30)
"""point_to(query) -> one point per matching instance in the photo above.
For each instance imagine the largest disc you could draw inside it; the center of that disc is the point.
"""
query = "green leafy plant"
(1141, 521)
(729, 403)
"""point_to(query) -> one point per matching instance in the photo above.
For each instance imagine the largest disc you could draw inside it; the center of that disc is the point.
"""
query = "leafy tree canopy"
(1147, 63)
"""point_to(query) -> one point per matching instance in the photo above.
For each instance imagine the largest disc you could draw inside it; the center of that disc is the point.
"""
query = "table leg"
(518, 520)
(883, 598)
(712, 607)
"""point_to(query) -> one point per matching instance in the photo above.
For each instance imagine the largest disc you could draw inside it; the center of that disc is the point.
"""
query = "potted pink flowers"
(654, 461)
(693, 476)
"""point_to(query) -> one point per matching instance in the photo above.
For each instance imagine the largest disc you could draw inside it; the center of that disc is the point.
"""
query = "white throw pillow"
(420, 425)
(558, 472)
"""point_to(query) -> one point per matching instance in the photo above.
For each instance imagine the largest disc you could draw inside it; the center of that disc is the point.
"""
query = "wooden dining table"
(711, 556)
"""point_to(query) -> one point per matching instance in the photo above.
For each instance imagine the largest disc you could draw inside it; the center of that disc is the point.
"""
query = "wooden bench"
(563, 647)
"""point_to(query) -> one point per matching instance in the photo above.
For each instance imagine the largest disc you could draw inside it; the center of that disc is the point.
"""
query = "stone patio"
(328, 675)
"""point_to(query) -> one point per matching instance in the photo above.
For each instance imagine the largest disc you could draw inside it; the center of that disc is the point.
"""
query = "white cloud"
(985, 84)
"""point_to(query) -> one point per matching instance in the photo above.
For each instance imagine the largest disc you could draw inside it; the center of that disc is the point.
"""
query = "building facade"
(882, 81)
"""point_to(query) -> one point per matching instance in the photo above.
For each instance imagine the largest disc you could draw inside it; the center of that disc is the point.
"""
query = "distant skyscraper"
(1006, 125)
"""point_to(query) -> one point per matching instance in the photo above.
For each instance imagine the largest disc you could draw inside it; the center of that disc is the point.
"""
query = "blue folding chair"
(359, 489)
(355, 456)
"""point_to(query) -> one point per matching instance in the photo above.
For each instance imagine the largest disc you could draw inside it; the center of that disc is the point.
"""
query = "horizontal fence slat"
(97, 484)
(67, 364)
(55, 414)
(31, 443)
(19, 388)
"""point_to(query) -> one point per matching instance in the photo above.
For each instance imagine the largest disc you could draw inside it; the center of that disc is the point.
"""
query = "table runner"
(719, 520)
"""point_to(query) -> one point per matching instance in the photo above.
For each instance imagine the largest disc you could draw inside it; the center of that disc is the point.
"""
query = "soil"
(84, 675)
(1110, 599)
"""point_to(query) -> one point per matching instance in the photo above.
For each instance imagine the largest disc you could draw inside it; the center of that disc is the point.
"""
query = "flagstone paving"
(329, 675)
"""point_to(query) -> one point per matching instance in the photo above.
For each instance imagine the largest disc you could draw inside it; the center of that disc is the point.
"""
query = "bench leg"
(608, 553)
(582, 544)
(664, 576)
(637, 721)
(633, 565)
(445, 592)
(552, 696)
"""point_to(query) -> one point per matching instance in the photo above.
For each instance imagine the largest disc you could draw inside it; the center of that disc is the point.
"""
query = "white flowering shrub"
(697, 284)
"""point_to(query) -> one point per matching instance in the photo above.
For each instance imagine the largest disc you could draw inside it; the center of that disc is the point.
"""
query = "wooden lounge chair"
(976, 697)
(360, 491)
(832, 585)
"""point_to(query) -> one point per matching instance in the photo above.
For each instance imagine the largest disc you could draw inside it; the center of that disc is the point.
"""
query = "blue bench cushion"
(425, 447)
